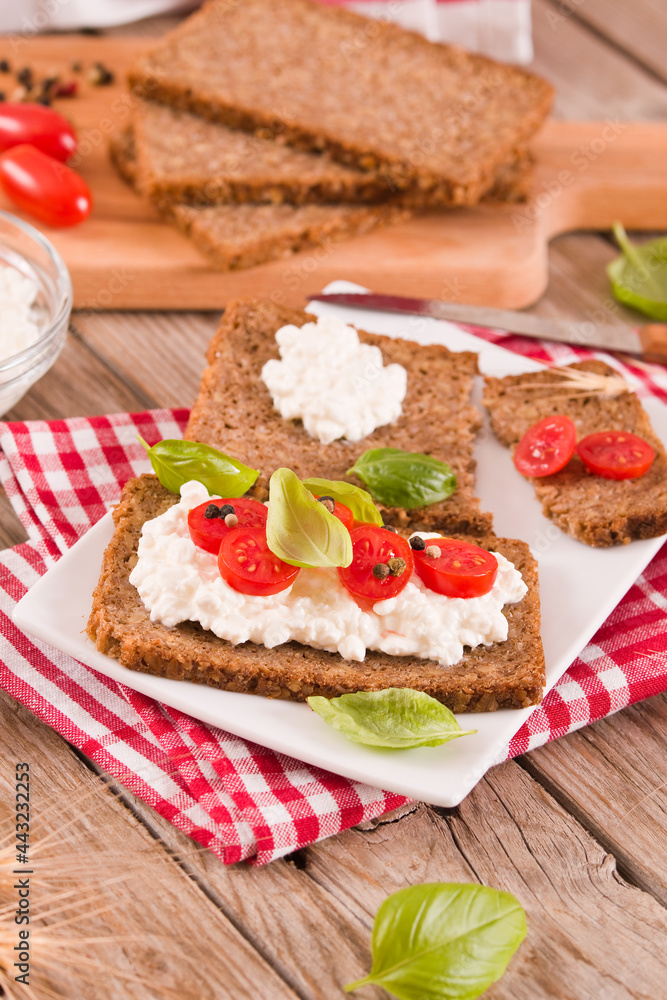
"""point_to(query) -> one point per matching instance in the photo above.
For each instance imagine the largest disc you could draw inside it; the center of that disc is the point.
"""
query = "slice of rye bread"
(238, 236)
(234, 412)
(597, 511)
(368, 92)
(235, 236)
(504, 675)
(181, 157)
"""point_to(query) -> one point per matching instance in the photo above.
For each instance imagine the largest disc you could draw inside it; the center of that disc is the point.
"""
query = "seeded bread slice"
(503, 675)
(600, 512)
(367, 92)
(234, 412)
(234, 236)
(181, 157)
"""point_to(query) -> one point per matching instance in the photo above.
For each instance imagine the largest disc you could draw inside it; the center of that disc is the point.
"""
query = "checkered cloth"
(242, 801)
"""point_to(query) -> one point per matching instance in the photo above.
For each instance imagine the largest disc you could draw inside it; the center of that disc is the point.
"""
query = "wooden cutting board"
(124, 257)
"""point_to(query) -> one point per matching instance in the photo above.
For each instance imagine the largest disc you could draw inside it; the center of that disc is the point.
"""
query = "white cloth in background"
(498, 28)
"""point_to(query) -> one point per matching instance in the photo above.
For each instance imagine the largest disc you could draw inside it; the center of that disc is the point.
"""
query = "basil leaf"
(407, 479)
(396, 717)
(300, 530)
(443, 941)
(176, 462)
(639, 277)
(359, 501)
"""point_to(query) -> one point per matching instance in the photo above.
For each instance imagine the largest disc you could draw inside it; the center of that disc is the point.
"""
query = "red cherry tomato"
(208, 532)
(343, 514)
(373, 546)
(37, 125)
(44, 187)
(248, 565)
(546, 447)
(461, 569)
(616, 454)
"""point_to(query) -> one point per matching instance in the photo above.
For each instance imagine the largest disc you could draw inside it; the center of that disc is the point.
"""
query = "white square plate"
(579, 587)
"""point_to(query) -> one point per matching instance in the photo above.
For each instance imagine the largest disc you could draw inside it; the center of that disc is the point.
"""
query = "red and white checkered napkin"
(242, 801)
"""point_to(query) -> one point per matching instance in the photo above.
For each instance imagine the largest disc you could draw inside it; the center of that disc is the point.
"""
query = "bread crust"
(504, 675)
(369, 93)
(599, 512)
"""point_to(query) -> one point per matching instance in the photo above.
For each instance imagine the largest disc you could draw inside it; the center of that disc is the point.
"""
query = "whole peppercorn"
(226, 509)
(417, 543)
(396, 566)
(231, 520)
(329, 503)
(381, 571)
(433, 552)
(212, 511)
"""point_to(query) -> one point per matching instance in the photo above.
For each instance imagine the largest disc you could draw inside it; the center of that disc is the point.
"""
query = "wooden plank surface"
(125, 256)
(575, 829)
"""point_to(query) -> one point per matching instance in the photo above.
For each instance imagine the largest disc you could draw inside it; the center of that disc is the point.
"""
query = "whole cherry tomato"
(248, 565)
(616, 454)
(38, 126)
(208, 531)
(44, 187)
(461, 569)
(546, 447)
(381, 566)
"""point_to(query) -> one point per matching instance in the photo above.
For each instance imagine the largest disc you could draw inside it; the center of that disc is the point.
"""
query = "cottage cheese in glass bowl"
(35, 304)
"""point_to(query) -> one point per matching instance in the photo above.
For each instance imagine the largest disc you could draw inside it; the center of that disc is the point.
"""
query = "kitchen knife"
(648, 341)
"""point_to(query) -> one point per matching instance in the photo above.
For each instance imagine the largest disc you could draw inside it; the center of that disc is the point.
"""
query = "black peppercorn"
(417, 543)
(212, 511)
(226, 509)
(380, 571)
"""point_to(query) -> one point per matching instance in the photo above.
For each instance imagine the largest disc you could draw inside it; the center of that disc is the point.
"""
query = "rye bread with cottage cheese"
(183, 158)
(509, 674)
(235, 413)
(600, 512)
(234, 236)
(367, 92)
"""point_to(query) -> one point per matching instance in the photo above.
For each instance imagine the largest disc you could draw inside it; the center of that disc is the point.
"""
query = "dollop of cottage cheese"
(177, 581)
(18, 324)
(338, 386)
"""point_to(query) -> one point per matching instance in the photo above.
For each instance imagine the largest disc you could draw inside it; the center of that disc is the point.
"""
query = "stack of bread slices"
(262, 129)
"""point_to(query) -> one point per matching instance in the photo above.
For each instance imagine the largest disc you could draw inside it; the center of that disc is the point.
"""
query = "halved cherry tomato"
(461, 569)
(248, 565)
(37, 125)
(44, 187)
(546, 447)
(373, 546)
(616, 454)
(208, 532)
(343, 514)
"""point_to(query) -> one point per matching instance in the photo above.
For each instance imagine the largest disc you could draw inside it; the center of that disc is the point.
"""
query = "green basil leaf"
(396, 717)
(300, 530)
(407, 479)
(359, 501)
(176, 462)
(443, 941)
(639, 276)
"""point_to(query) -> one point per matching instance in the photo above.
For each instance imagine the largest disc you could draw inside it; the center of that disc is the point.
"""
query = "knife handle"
(653, 340)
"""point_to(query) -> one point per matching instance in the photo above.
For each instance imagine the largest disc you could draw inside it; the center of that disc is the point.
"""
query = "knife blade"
(648, 341)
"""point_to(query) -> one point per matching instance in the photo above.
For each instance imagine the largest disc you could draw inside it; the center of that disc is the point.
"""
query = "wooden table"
(575, 829)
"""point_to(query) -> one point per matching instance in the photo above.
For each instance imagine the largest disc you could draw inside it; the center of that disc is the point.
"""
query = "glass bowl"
(25, 249)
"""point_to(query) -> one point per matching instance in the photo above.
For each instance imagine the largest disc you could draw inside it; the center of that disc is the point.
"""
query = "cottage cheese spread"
(18, 326)
(178, 582)
(338, 386)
